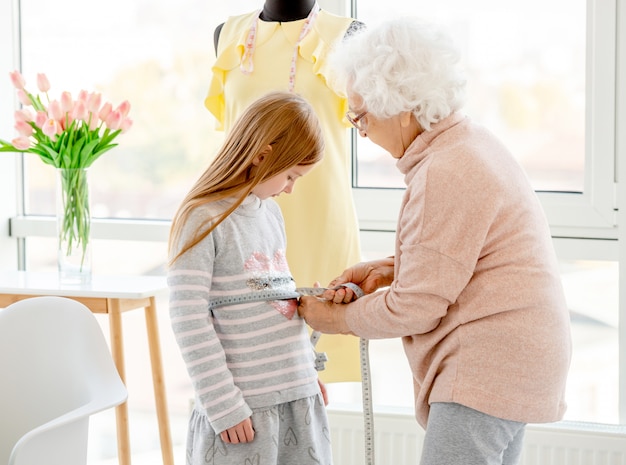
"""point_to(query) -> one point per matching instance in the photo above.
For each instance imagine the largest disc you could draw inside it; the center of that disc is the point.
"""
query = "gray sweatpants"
(294, 433)
(458, 435)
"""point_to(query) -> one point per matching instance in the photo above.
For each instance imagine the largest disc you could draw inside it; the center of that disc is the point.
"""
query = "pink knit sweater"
(476, 296)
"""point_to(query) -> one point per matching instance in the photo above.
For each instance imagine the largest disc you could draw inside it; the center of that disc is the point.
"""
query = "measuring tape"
(265, 295)
(366, 383)
(366, 388)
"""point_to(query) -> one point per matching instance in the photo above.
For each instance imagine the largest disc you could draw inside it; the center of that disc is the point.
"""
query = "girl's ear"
(262, 155)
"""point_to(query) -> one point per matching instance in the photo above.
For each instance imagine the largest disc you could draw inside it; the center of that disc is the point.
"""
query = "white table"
(112, 295)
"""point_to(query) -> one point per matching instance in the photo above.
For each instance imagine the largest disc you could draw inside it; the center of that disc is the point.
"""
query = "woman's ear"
(408, 120)
(262, 155)
(405, 118)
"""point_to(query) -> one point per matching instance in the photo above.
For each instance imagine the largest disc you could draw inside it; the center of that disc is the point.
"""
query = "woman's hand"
(369, 276)
(241, 432)
(323, 316)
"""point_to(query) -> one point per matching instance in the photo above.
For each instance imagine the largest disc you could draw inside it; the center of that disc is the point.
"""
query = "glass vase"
(73, 226)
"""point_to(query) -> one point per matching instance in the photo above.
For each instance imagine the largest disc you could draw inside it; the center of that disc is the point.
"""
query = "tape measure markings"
(260, 296)
(265, 295)
(366, 388)
(368, 412)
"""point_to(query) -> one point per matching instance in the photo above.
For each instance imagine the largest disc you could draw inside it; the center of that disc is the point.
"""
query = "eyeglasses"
(357, 120)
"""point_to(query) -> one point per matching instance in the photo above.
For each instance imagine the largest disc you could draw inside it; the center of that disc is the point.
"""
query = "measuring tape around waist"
(273, 294)
(259, 296)
(366, 383)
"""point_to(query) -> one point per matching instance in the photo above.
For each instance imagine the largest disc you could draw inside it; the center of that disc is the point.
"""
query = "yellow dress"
(320, 220)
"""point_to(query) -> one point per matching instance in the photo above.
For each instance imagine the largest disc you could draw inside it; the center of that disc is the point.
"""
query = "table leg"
(158, 382)
(117, 352)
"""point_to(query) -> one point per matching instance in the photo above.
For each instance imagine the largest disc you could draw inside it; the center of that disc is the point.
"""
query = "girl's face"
(282, 182)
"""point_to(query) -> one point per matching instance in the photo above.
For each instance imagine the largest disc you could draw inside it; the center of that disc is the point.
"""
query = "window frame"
(620, 157)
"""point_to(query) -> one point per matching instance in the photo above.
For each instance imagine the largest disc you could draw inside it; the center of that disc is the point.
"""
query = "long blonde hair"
(282, 120)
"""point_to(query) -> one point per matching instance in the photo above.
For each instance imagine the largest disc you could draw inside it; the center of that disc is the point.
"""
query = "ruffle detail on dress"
(315, 46)
(230, 53)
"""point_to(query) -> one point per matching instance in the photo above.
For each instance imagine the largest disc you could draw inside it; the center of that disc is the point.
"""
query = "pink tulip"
(83, 95)
(24, 129)
(40, 118)
(23, 97)
(114, 120)
(55, 111)
(93, 122)
(17, 79)
(80, 111)
(66, 102)
(93, 102)
(124, 108)
(50, 128)
(23, 115)
(126, 124)
(21, 143)
(105, 111)
(66, 122)
(42, 83)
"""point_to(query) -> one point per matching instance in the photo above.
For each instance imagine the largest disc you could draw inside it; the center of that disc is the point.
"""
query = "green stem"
(76, 221)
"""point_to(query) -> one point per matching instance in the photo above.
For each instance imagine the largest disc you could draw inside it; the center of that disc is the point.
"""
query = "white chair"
(56, 370)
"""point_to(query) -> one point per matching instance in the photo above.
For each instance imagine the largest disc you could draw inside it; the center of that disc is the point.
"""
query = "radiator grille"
(398, 441)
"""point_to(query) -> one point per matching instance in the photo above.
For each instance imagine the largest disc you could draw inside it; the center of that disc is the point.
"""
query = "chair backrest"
(56, 371)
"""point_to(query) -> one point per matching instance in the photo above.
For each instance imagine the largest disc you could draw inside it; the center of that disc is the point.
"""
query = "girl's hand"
(242, 432)
(324, 392)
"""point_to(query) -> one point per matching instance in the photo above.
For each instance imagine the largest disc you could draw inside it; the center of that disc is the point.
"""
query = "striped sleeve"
(189, 281)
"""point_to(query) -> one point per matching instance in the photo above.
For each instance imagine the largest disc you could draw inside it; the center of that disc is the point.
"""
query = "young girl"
(258, 398)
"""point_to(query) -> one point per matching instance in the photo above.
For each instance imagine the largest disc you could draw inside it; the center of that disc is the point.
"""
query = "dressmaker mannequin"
(284, 47)
(282, 11)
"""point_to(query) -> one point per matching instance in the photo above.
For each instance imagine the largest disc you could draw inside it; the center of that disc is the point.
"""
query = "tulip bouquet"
(68, 134)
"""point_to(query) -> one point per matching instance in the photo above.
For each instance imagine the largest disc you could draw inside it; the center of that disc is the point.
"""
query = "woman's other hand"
(323, 315)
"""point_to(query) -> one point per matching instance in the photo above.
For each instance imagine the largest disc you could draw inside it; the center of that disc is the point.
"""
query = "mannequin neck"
(286, 10)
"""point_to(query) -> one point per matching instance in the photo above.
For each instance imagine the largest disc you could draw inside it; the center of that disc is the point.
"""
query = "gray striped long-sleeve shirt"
(246, 355)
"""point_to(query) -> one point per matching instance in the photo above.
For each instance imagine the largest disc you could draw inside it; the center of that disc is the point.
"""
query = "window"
(544, 84)
(529, 87)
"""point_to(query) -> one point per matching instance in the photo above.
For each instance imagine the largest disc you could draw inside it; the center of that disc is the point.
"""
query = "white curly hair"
(402, 64)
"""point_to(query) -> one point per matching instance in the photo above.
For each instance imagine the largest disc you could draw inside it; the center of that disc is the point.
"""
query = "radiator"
(398, 441)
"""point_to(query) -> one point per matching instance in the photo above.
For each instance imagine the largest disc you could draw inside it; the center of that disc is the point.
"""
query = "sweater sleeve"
(437, 245)
(189, 281)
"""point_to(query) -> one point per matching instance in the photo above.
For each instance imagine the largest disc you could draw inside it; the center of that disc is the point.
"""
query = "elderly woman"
(473, 289)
